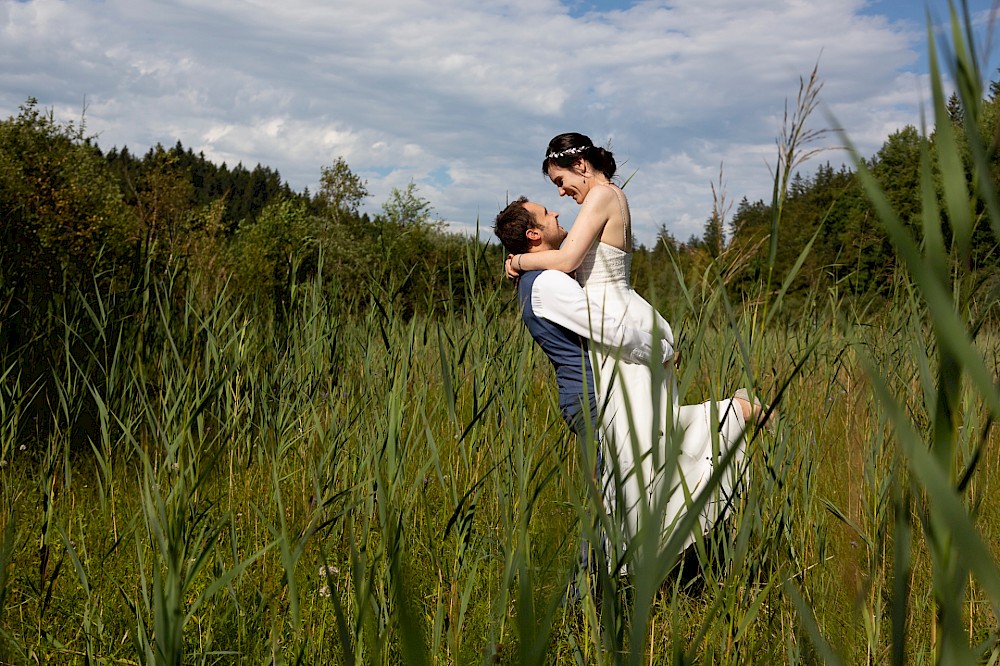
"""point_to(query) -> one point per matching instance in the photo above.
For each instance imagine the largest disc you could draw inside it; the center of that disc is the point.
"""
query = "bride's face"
(571, 182)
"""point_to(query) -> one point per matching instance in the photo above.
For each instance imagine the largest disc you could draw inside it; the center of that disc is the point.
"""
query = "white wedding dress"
(646, 467)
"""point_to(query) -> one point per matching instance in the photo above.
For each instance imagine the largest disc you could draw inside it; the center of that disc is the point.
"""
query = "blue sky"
(461, 97)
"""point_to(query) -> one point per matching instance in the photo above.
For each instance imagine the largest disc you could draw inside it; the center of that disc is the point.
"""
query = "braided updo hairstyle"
(567, 149)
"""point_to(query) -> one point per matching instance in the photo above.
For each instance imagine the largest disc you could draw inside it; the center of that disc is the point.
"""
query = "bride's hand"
(509, 269)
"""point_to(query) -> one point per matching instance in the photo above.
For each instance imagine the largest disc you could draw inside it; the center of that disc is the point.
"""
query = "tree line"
(850, 250)
(73, 214)
(124, 236)
(99, 245)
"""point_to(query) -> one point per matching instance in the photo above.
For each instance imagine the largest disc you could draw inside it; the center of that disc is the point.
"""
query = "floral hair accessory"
(566, 153)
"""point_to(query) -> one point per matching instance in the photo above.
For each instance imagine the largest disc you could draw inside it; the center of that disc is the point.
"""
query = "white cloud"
(461, 98)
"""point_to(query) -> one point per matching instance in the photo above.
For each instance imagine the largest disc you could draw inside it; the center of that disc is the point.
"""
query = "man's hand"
(676, 361)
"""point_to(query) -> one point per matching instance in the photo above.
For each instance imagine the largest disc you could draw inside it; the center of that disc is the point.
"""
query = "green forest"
(829, 211)
(73, 212)
(245, 424)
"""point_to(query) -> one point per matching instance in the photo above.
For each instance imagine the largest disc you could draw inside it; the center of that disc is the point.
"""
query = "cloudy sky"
(462, 96)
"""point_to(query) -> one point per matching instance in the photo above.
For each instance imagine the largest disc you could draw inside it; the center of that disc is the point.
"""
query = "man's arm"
(560, 299)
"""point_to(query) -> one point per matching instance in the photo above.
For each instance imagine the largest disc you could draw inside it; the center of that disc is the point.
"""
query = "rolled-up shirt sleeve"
(560, 299)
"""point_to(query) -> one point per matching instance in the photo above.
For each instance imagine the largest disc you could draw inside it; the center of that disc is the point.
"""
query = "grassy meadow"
(368, 489)
(360, 488)
(353, 484)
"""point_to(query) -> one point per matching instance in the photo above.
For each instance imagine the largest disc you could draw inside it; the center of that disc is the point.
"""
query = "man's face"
(549, 232)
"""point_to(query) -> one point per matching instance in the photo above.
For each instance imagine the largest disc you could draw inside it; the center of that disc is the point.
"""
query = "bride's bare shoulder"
(602, 196)
(603, 191)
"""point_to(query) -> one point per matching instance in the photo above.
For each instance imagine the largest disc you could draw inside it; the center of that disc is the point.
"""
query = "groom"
(559, 318)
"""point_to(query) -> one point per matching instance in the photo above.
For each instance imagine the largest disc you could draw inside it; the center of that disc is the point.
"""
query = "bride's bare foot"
(754, 413)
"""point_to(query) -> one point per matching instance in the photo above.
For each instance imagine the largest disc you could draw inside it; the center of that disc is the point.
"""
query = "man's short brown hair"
(512, 224)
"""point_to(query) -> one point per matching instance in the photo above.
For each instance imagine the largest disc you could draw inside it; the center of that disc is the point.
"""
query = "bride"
(651, 473)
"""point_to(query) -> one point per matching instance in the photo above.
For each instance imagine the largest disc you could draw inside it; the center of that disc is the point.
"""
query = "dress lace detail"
(605, 265)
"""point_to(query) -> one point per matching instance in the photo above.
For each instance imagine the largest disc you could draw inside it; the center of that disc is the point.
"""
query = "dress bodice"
(605, 266)
(605, 274)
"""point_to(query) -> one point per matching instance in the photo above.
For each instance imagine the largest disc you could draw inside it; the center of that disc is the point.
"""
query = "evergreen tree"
(955, 111)
(714, 239)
